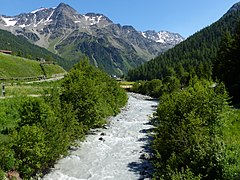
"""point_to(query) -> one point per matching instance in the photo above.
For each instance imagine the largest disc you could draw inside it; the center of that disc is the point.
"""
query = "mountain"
(163, 37)
(65, 32)
(195, 55)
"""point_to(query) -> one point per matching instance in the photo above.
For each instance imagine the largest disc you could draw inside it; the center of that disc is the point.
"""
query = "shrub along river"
(119, 151)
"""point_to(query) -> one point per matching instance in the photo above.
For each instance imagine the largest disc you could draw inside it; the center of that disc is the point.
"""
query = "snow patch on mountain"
(49, 17)
(93, 19)
(40, 9)
(144, 34)
(163, 37)
(9, 21)
(22, 25)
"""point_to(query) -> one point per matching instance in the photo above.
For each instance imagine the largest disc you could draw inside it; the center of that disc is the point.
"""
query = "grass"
(23, 89)
(13, 66)
(18, 67)
(231, 135)
(52, 69)
(126, 83)
(8, 112)
(232, 129)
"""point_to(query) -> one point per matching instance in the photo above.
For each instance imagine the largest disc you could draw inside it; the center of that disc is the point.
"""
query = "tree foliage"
(227, 64)
(188, 140)
(92, 93)
(31, 148)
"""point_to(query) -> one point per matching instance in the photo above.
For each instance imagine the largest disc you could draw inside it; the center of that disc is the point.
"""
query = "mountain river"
(119, 151)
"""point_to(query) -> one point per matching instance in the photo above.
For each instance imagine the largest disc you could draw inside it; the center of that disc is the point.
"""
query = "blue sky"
(181, 16)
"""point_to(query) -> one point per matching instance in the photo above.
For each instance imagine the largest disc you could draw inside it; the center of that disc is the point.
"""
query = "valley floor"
(117, 152)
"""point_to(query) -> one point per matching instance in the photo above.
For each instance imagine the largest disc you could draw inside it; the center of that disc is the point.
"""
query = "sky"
(180, 16)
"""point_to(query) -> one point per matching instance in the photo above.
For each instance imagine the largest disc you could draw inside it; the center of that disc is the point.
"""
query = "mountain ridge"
(113, 47)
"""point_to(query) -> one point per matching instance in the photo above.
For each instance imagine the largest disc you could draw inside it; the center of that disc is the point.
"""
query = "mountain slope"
(21, 47)
(18, 67)
(64, 31)
(194, 55)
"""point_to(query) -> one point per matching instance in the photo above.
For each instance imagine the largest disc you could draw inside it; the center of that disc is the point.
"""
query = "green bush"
(189, 131)
(183, 175)
(152, 88)
(42, 136)
(31, 149)
(156, 87)
(7, 157)
(34, 111)
(92, 93)
(2, 174)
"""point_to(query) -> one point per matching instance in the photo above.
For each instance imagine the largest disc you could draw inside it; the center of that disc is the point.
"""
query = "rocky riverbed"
(119, 151)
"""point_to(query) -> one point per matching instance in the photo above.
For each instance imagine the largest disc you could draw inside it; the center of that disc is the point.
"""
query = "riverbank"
(119, 151)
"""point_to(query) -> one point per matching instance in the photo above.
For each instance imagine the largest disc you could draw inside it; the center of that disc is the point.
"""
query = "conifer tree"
(227, 65)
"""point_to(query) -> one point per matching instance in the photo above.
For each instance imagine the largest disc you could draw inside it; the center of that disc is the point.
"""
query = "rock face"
(109, 46)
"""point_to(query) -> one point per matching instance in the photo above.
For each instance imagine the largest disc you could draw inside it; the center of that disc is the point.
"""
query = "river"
(117, 152)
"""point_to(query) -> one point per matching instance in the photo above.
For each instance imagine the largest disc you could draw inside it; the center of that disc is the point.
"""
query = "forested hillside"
(193, 56)
(21, 47)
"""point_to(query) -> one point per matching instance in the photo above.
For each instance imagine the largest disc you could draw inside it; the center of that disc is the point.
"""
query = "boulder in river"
(101, 139)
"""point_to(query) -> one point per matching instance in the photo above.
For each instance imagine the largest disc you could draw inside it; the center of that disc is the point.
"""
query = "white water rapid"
(117, 152)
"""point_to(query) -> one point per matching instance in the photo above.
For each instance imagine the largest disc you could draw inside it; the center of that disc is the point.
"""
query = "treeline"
(156, 87)
(35, 132)
(21, 47)
(193, 56)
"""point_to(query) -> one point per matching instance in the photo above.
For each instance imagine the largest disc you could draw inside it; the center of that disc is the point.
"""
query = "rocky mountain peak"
(62, 7)
(64, 11)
